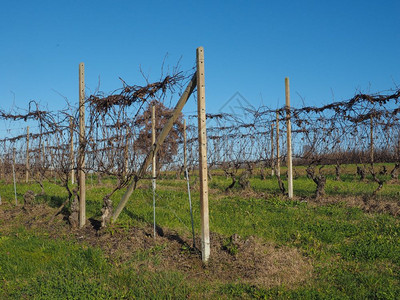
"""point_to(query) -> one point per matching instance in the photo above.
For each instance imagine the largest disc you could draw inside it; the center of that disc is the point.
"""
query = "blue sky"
(328, 49)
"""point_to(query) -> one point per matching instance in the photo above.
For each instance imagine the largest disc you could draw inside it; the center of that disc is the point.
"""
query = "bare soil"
(367, 204)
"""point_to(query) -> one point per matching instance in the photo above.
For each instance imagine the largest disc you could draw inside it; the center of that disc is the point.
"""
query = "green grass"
(355, 255)
(36, 267)
(349, 185)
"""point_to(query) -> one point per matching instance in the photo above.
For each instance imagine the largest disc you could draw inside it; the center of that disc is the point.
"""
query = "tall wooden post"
(14, 178)
(153, 166)
(6, 157)
(184, 146)
(2, 175)
(27, 156)
(50, 158)
(278, 158)
(272, 151)
(372, 139)
(82, 176)
(153, 142)
(126, 149)
(71, 148)
(201, 110)
(43, 158)
(38, 160)
(217, 150)
(289, 139)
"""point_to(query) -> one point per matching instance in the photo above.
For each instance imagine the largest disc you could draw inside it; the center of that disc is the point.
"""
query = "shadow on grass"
(52, 201)
(172, 236)
(136, 217)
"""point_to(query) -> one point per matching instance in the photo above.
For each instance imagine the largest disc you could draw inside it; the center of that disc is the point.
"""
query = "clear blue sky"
(329, 49)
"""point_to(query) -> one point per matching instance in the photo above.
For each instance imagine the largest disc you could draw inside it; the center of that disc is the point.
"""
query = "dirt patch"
(232, 259)
(253, 261)
(38, 216)
(381, 206)
(367, 204)
(256, 262)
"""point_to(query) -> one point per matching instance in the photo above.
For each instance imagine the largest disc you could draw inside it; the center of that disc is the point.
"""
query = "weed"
(230, 246)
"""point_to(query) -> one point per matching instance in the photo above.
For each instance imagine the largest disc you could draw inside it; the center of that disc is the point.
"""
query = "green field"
(345, 246)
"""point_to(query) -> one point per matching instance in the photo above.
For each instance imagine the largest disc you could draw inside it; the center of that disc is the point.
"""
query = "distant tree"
(170, 146)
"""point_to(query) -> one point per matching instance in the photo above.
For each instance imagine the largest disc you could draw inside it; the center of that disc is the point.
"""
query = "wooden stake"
(71, 148)
(272, 150)
(398, 148)
(372, 139)
(278, 158)
(14, 178)
(27, 156)
(201, 111)
(82, 176)
(160, 139)
(2, 175)
(38, 160)
(126, 155)
(153, 142)
(153, 173)
(184, 146)
(289, 140)
(44, 156)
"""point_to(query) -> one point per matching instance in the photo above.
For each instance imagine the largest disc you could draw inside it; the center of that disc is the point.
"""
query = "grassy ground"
(348, 249)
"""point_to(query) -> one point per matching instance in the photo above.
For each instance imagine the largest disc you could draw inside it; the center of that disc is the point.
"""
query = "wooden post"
(2, 175)
(372, 139)
(217, 150)
(3, 170)
(14, 178)
(160, 139)
(289, 140)
(5, 157)
(272, 150)
(51, 160)
(153, 173)
(184, 146)
(4, 167)
(44, 157)
(278, 158)
(201, 110)
(398, 146)
(153, 142)
(126, 155)
(71, 149)
(27, 156)
(82, 142)
(38, 160)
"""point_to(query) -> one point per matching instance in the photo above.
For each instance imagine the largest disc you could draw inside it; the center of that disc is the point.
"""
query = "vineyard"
(288, 193)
